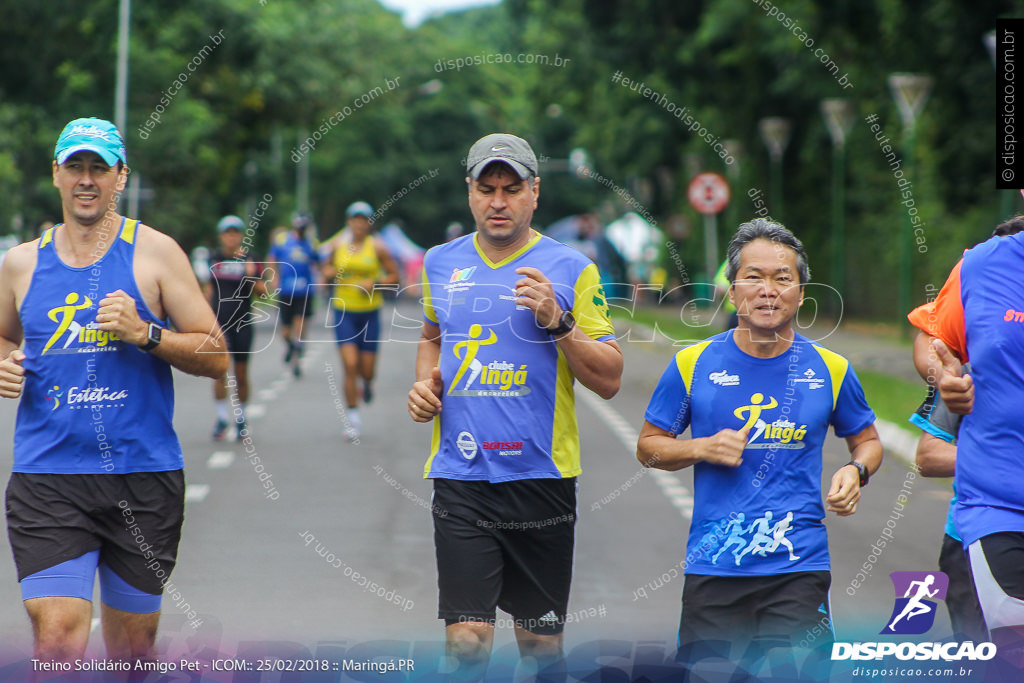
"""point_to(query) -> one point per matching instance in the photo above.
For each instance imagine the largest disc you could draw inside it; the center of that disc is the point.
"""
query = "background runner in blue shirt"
(295, 260)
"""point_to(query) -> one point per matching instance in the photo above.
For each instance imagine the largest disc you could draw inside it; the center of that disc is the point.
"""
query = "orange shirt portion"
(944, 317)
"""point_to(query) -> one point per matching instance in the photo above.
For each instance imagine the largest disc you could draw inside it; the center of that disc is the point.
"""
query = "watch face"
(155, 331)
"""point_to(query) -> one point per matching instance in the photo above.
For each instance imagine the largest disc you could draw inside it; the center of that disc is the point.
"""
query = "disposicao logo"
(914, 612)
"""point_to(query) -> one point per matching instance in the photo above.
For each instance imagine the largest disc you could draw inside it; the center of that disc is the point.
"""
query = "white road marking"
(94, 624)
(266, 394)
(196, 492)
(220, 460)
(255, 411)
(677, 494)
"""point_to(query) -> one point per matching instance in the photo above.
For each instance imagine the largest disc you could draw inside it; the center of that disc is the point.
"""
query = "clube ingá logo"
(917, 596)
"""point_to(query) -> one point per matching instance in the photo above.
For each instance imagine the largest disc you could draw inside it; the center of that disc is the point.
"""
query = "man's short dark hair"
(764, 229)
(499, 166)
(1010, 227)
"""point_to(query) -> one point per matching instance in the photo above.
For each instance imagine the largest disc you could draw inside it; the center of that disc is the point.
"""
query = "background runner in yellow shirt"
(358, 263)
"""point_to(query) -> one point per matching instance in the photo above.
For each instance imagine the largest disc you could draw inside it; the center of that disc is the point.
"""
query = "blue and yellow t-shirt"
(508, 404)
(764, 516)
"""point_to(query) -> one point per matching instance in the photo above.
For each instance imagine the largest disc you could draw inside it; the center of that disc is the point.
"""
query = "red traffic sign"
(709, 193)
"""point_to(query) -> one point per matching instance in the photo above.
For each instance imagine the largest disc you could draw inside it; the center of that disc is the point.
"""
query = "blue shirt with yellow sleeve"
(508, 407)
(763, 517)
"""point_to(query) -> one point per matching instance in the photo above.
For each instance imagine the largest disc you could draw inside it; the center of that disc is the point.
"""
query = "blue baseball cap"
(230, 223)
(92, 135)
(359, 209)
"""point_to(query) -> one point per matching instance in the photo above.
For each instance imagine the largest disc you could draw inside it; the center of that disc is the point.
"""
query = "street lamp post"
(838, 115)
(121, 98)
(910, 91)
(733, 148)
(775, 135)
(302, 177)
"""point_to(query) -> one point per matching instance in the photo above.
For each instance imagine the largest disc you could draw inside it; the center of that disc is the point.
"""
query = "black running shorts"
(507, 545)
(792, 607)
(134, 520)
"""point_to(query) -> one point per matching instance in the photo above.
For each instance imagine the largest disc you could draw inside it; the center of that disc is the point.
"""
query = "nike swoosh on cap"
(498, 149)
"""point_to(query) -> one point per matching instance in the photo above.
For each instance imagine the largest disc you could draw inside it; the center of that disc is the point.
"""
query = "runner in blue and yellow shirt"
(511, 319)
(759, 400)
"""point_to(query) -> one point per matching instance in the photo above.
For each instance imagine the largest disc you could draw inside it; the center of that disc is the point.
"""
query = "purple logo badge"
(917, 595)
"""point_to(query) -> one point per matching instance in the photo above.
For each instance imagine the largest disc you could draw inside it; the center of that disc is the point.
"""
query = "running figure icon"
(768, 538)
(915, 607)
(734, 536)
(779, 537)
(762, 538)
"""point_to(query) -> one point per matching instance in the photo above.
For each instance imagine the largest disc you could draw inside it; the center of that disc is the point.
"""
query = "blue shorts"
(75, 578)
(361, 329)
(64, 528)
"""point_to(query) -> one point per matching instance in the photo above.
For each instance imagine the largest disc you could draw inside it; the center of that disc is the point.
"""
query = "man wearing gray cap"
(511, 319)
(87, 344)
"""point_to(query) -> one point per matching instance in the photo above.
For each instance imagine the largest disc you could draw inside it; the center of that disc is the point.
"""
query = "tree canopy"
(385, 104)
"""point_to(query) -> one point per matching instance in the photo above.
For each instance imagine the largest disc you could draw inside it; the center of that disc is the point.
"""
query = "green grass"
(668, 322)
(893, 399)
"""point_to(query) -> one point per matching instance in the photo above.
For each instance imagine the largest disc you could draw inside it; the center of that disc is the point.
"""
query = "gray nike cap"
(512, 150)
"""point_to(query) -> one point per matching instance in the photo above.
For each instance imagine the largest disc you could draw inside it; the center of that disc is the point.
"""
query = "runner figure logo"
(914, 612)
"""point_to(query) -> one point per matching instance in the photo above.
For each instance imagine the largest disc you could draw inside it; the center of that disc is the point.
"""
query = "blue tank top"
(91, 404)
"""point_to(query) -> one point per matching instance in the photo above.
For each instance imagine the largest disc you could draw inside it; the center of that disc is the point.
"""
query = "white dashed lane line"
(680, 496)
(196, 493)
(220, 460)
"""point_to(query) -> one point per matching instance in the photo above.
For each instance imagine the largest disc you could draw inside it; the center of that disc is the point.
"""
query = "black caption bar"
(1009, 134)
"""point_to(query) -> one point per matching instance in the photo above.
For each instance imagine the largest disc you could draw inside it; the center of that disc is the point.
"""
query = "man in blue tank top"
(511, 319)
(93, 315)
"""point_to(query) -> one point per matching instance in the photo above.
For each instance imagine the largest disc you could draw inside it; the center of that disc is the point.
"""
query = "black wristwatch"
(152, 337)
(864, 476)
(566, 322)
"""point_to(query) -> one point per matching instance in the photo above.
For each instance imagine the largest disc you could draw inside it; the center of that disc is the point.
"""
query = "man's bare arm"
(196, 344)
(12, 372)
(935, 457)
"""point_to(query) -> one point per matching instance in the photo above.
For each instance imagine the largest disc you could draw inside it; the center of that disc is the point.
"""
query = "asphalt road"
(249, 563)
